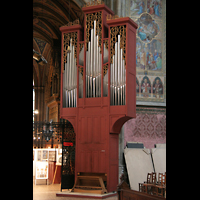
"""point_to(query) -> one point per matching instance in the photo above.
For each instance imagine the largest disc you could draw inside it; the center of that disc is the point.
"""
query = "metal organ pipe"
(118, 70)
(97, 63)
(91, 57)
(94, 73)
(93, 65)
(117, 76)
(70, 79)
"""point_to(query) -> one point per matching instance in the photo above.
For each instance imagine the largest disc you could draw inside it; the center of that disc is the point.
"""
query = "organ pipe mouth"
(68, 49)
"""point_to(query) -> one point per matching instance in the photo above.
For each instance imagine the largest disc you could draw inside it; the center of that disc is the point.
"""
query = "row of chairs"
(154, 186)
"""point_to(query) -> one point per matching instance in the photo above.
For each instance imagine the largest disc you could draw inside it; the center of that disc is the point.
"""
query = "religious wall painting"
(137, 7)
(147, 28)
(137, 87)
(140, 54)
(154, 8)
(149, 56)
(154, 56)
(146, 87)
(150, 88)
(150, 69)
(41, 44)
(157, 88)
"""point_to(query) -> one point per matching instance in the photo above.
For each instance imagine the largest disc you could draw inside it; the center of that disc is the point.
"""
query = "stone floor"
(48, 192)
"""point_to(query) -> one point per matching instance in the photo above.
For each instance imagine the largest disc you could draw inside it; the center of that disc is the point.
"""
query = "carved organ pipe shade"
(70, 78)
(93, 65)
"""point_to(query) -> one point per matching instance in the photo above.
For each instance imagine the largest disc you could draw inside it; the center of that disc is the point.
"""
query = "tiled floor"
(48, 192)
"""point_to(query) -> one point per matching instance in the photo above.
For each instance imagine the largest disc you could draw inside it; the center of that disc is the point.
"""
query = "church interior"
(143, 137)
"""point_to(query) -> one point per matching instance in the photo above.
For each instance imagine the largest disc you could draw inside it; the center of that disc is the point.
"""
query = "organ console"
(98, 89)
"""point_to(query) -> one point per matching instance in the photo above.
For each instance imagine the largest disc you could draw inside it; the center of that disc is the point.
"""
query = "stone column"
(119, 8)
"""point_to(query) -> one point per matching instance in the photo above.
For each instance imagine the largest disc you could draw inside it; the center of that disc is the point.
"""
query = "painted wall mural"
(150, 15)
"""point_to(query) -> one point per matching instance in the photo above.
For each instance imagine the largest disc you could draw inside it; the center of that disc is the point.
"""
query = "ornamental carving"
(66, 39)
(94, 3)
(90, 24)
(114, 31)
(105, 69)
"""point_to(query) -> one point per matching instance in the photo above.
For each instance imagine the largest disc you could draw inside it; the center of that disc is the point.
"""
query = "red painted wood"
(95, 122)
(58, 175)
(51, 170)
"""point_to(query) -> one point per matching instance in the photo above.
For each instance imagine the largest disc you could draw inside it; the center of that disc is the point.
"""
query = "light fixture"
(48, 130)
(36, 111)
(36, 57)
(39, 58)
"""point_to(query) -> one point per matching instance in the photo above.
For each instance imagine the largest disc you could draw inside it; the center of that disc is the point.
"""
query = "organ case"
(98, 87)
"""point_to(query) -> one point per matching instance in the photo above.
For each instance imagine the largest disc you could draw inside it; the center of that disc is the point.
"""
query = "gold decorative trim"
(80, 69)
(106, 43)
(66, 39)
(110, 16)
(114, 31)
(105, 69)
(94, 3)
(80, 46)
(75, 22)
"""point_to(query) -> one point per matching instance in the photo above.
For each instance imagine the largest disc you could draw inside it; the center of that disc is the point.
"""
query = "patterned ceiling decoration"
(41, 44)
(48, 17)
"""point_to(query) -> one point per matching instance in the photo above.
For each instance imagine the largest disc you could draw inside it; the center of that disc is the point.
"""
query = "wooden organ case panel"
(98, 91)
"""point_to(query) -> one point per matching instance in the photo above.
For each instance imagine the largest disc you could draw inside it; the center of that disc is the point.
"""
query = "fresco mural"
(137, 87)
(149, 57)
(147, 28)
(136, 7)
(149, 87)
(146, 87)
(154, 55)
(157, 88)
(150, 15)
(154, 7)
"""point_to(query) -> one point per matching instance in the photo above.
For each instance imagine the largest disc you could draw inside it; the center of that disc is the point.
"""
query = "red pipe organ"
(98, 87)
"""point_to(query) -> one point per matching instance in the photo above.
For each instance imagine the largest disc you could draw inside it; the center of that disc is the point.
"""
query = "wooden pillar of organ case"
(98, 92)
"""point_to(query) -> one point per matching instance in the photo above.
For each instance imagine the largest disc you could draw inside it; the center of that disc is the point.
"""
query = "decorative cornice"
(75, 22)
(94, 3)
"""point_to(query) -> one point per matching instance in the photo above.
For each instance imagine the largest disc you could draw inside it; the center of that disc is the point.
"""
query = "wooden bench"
(89, 184)
(125, 193)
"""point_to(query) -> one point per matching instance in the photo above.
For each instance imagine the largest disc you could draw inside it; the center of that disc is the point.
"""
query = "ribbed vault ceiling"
(49, 15)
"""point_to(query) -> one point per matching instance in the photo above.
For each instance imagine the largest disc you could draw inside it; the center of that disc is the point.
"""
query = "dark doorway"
(68, 156)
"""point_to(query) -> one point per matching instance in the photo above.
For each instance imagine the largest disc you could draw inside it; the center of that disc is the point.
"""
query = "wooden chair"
(160, 188)
(149, 178)
(147, 187)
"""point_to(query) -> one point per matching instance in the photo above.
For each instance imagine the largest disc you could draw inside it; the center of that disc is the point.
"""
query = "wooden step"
(88, 191)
